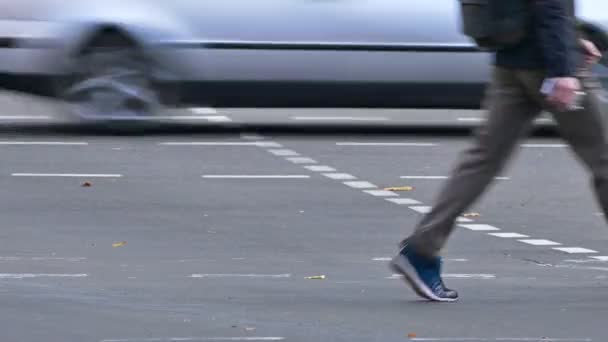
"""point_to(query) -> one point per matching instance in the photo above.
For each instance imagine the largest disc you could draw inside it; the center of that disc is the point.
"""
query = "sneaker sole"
(401, 266)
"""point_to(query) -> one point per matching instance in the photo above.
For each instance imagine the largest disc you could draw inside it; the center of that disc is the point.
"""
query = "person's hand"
(564, 92)
(592, 54)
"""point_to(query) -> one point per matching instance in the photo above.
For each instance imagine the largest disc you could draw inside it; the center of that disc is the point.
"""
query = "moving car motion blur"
(121, 59)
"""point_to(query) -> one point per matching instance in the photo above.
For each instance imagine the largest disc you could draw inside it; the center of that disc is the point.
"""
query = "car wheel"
(111, 84)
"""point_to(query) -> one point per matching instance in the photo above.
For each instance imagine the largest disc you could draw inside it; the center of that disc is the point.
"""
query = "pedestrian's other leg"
(585, 132)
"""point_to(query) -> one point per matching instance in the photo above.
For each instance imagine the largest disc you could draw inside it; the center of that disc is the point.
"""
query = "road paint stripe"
(41, 275)
(45, 143)
(455, 276)
(575, 250)
(544, 145)
(302, 160)
(339, 176)
(479, 227)
(195, 339)
(403, 201)
(79, 175)
(320, 168)
(25, 117)
(502, 339)
(15, 258)
(255, 176)
(380, 193)
(423, 209)
(221, 143)
(601, 258)
(540, 242)
(203, 110)
(338, 118)
(284, 153)
(360, 184)
(509, 235)
(386, 144)
(239, 275)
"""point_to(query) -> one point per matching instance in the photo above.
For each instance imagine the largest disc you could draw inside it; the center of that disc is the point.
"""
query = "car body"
(404, 53)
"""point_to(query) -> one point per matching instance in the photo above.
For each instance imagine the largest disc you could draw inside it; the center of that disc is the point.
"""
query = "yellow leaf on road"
(119, 244)
(320, 277)
(399, 188)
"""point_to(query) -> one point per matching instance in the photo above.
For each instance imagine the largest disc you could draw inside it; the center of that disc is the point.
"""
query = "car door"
(335, 40)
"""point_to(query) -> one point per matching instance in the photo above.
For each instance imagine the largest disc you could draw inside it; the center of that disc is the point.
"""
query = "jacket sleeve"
(557, 37)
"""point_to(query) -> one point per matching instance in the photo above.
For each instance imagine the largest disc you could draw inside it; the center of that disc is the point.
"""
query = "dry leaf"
(472, 215)
(411, 335)
(119, 244)
(399, 188)
(87, 184)
(320, 277)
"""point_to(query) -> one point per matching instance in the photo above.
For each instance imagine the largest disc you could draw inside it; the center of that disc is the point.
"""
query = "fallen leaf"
(319, 277)
(411, 335)
(472, 215)
(87, 184)
(399, 188)
(119, 244)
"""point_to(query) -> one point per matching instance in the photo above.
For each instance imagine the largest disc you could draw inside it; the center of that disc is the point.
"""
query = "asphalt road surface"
(201, 236)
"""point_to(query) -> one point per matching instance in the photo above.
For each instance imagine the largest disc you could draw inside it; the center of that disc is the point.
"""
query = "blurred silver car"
(122, 59)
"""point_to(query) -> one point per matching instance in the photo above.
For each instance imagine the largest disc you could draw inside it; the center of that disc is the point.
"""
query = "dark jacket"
(552, 44)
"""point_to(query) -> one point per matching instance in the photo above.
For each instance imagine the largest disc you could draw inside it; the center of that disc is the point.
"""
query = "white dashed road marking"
(77, 175)
(403, 201)
(255, 176)
(380, 193)
(479, 227)
(509, 235)
(339, 176)
(195, 339)
(360, 185)
(284, 153)
(320, 168)
(540, 242)
(413, 204)
(423, 209)
(302, 160)
(15, 258)
(237, 275)
(40, 275)
(575, 250)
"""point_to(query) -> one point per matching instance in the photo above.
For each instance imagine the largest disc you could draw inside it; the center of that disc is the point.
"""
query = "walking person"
(545, 70)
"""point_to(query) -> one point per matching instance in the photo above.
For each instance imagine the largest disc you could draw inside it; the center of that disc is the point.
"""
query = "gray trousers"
(513, 100)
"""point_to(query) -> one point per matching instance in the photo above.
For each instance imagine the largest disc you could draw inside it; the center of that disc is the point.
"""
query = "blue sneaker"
(423, 275)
